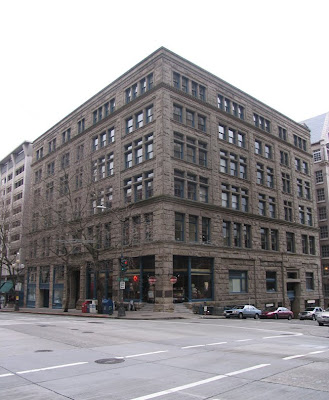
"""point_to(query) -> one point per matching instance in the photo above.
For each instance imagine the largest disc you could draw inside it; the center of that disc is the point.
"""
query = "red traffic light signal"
(124, 264)
(135, 278)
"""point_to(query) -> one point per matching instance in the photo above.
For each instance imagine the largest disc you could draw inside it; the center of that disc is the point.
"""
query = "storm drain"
(43, 351)
(110, 361)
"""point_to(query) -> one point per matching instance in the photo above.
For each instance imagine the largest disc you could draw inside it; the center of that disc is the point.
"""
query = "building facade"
(14, 199)
(184, 176)
(319, 127)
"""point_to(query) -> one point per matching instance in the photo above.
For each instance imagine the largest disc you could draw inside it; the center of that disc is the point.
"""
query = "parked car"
(277, 312)
(310, 313)
(323, 317)
(245, 311)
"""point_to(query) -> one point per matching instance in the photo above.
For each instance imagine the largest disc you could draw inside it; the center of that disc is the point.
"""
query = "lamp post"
(123, 268)
(15, 278)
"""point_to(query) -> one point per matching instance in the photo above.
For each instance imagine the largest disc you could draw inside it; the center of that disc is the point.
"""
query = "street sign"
(173, 279)
(152, 280)
(122, 285)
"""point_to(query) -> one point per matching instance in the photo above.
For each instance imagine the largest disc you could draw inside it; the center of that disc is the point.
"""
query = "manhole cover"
(110, 361)
(43, 326)
(43, 351)
(87, 332)
(95, 322)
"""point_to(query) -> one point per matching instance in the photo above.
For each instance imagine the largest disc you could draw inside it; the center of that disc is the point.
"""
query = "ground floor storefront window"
(58, 288)
(194, 278)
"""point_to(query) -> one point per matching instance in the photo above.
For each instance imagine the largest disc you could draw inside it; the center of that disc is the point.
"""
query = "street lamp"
(123, 269)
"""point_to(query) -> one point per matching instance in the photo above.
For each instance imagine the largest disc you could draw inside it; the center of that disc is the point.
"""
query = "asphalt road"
(58, 357)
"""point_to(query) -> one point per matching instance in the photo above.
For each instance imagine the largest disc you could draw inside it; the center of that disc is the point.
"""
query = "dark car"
(245, 311)
(277, 312)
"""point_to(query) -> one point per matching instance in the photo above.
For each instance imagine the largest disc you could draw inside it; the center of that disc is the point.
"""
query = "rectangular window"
(324, 232)
(274, 239)
(271, 281)
(202, 123)
(81, 125)
(317, 155)
(320, 195)
(139, 118)
(149, 114)
(284, 158)
(264, 239)
(179, 227)
(282, 133)
(184, 84)
(247, 236)
(222, 132)
(129, 125)
(193, 228)
(238, 281)
(190, 118)
(227, 233)
(178, 114)
(287, 210)
(237, 242)
(309, 281)
(290, 238)
(322, 213)
(260, 174)
(205, 230)
(318, 176)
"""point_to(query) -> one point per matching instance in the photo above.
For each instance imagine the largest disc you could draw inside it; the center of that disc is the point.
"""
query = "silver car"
(310, 313)
(246, 311)
(323, 317)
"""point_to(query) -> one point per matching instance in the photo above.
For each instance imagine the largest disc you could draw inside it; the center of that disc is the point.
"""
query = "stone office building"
(184, 175)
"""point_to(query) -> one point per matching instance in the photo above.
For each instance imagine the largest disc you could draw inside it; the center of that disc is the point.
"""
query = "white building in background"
(319, 127)
(15, 171)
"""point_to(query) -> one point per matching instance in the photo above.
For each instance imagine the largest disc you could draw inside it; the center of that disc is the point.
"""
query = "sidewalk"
(137, 315)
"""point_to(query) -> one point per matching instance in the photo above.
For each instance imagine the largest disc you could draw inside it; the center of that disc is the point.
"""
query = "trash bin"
(93, 307)
(85, 306)
(107, 306)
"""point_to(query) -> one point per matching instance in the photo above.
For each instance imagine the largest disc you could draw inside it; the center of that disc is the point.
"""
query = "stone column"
(163, 286)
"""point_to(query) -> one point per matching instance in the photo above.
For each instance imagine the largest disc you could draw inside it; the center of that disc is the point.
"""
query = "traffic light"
(124, 264)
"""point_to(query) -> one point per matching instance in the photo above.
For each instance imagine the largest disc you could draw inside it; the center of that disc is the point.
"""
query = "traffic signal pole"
(123, 269)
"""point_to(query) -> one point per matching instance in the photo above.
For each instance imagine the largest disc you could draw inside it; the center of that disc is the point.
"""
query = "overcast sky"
(55, 55)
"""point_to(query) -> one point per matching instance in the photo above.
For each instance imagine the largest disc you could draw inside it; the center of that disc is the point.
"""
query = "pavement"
(142, 314)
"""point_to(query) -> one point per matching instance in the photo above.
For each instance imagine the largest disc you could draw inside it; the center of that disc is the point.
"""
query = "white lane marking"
(215, 344)
(304, 355)
(289, 334)
(292, 357)
(243, 340)
(191, 347)
(235, 327)
(317, 352)
(48, 368)
(4, 375)
(145, 354)
(198, 383)
(241, 371)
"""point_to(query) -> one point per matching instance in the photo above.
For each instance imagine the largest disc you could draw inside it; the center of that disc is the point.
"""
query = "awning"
(6, 287)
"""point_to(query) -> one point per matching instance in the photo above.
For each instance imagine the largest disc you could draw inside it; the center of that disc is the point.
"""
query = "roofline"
(18, 148)
(153, 54)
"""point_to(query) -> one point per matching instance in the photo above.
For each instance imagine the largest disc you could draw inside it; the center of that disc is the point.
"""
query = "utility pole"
(122, 285)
